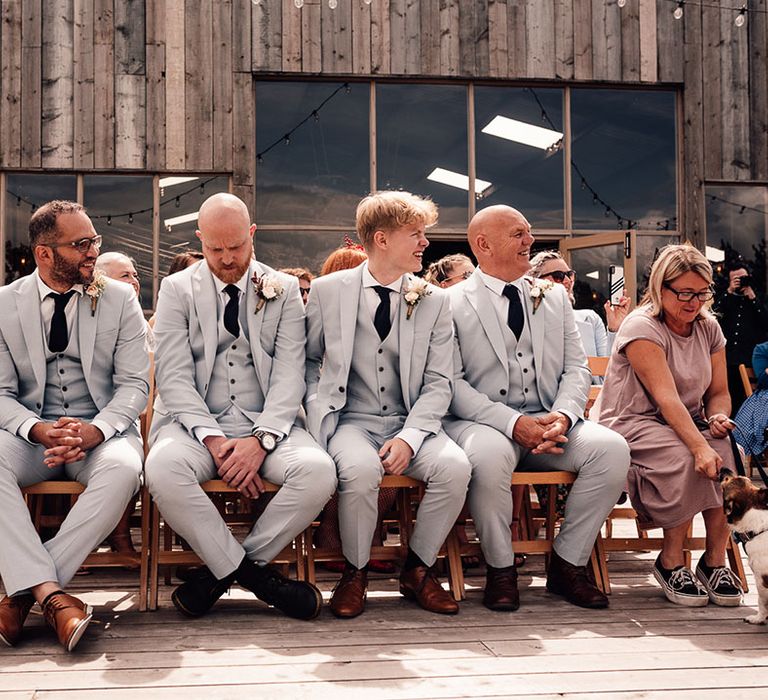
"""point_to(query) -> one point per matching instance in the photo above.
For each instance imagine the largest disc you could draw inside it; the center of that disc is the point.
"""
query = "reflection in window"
(648, 248)
(121, 210)
(591, 286)
(737, 228)
(297, 249)
(421, 128)
(313, 162)
(623, 159)
(24, 194)
(180, 200)
(518, 141)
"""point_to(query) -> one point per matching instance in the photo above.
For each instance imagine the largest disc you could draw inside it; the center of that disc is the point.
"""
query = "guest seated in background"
(449, 270)
(751, 430)
(666, 392)
(305, 278)
(346, 257)
(519, 402)
(229, 366)
(549, 264)
(73, 378)
(383, 339)
(181, 261)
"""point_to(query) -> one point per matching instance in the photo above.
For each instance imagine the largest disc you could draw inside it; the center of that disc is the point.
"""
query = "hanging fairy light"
(333, 4)
(299, 4)
(621, 3)
(678, 13)
(741, 18)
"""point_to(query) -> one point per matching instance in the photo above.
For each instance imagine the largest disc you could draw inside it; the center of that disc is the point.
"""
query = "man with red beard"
(229, 359)
(73, 378)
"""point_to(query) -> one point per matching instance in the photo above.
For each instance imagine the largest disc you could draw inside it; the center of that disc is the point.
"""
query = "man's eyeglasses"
(707, 295)
(81, 246)
(560, 275)
(464, 276)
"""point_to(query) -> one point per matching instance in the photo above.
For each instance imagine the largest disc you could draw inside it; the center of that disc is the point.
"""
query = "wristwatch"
(267, 440)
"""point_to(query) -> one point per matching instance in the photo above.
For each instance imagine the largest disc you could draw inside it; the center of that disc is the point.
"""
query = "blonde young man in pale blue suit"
(229, 361)
(384, 341)
(73, 379)
(519, 404)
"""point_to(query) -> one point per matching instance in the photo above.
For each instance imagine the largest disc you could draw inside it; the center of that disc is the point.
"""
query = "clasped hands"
(238, 461)
(543, 434)
(67, 440)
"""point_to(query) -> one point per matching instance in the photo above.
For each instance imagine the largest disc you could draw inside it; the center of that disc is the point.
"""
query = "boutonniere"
(95, 288)
(267, 288)
(539, 288)
(413, 293)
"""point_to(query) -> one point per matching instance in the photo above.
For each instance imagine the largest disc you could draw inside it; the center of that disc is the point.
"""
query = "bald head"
(226, 235)
(500, 238)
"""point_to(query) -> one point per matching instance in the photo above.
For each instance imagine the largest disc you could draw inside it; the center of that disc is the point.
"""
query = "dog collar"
(743, 537)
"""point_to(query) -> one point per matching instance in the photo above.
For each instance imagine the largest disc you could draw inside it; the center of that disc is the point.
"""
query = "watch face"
(268, 441)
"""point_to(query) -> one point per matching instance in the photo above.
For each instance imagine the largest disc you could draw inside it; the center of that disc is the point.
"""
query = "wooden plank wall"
(167, 85)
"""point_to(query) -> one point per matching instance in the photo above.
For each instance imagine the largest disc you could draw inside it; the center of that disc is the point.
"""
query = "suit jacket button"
(341, 389)
(503, 392)
(66, 405)
(519, 354)
(333, 408)
(39, 405)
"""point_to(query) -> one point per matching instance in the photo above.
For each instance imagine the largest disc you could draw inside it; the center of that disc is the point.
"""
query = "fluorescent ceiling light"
(715, 254)
(183, 219)
(448, 177)
(171, 181)
(593, 275)
(522, 132)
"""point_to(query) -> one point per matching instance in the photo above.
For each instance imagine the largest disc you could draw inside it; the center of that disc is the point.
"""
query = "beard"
(230, 275)
(68, 273)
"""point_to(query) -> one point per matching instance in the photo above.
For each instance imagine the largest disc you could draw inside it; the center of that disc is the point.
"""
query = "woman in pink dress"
(666, 392)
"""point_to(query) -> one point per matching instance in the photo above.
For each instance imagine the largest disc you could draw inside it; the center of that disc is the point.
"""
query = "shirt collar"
(241, 284)
(370, 281)
(496, 285)
(44, 290)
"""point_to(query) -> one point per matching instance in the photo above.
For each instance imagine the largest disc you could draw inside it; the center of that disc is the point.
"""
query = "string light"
(130, 217)
(299, 4)
(678, 13)
(109, 220)
(741, 18)
(741, 10)
(621, 3)
(333, 4)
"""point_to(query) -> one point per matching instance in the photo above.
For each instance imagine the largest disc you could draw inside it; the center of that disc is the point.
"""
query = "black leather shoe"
(297, 599)
(501, 589)
(198, 595)
(574, 584)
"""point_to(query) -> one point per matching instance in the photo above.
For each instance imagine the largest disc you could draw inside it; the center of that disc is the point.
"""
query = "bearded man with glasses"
(73, 378)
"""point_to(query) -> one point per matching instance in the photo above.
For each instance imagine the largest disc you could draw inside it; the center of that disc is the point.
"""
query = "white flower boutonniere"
(413, 293)
(95, 288)
(267, 288)
(538, 290)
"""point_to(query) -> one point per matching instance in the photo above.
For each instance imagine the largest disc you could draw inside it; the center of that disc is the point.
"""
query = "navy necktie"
(381, 320)
(515, 316)
(59, 336)
(232, 310)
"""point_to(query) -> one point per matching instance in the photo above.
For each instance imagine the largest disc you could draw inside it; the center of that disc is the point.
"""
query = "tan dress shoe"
(348, 597)
(501, 591)
(68, 617)
(13, 613)
(421, 584)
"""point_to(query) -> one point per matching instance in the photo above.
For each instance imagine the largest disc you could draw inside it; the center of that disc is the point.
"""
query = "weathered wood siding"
(166, 85)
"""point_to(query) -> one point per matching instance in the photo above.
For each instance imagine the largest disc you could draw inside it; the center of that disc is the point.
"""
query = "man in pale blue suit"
(383, 341)
(73, 379)
(229, 360)
(519, 404)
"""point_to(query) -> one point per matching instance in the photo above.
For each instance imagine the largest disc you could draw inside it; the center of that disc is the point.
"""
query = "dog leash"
(740, 464)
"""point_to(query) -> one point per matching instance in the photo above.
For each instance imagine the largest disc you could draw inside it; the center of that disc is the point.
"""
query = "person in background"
(597, 341)
(449, 270)
(344, 258)
(181, 261)
(751, 430)
(666, 392)
(120, 267)
(305, 278)
(744, 320)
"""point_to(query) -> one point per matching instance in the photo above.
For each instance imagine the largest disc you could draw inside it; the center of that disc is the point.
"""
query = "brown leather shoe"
(421, 584)
(68, 617)
(501, 589)
(13, 612)
(348, 597)
(574, 584)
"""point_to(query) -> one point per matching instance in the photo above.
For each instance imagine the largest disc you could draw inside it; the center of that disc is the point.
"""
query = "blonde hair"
(538, 260)
(441, 270)
(389, 210)
(673, 261)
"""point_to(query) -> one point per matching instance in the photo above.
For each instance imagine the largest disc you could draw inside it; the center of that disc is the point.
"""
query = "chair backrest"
(598, 366)
(748, 379)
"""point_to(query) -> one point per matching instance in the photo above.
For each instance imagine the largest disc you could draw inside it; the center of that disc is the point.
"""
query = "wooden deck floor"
(641, 646)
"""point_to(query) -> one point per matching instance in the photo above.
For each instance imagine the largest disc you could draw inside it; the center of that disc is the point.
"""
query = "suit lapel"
(478, 297)
(350, 291)
(204, 299)
(535, 322)
(86, 331)
(255, 321)
(30, 319)
(405, 329)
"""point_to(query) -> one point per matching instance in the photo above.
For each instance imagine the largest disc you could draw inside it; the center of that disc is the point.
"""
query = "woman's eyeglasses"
(707, 295)
(560, 275)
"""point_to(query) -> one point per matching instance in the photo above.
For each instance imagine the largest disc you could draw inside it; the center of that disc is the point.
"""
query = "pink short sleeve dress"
(663, 486)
